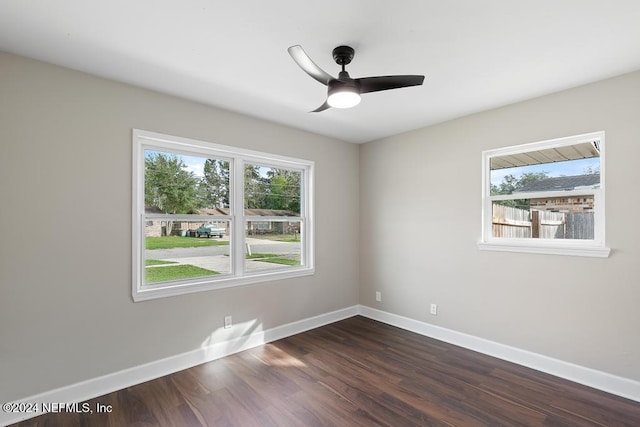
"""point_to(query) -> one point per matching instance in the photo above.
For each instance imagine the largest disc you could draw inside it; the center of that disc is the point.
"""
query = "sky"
(193, 164)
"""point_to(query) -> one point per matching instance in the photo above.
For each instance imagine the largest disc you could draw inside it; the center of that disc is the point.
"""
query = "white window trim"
(589, 248)
(237, 157)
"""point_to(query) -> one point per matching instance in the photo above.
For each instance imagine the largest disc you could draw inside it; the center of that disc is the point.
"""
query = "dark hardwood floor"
(357, 372)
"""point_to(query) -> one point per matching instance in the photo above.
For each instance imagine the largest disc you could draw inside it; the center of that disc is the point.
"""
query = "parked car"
(209, 230)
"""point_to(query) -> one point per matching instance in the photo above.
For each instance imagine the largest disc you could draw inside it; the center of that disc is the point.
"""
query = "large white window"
(208, 216)
(545, 197)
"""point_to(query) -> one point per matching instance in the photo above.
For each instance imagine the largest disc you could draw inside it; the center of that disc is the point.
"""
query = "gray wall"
(425, 209)
(66, 312)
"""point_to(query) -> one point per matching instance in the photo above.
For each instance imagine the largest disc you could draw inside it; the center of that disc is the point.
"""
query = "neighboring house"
(157, 228)
(575, 204)
(153, 228)
(270, 226)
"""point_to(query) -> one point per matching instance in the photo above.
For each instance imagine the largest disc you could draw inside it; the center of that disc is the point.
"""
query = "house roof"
(248, 212)
(214, 211)
(563, 183)
(225, 211)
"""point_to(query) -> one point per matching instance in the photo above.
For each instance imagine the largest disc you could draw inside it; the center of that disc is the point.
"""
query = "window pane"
(545, 218)
(271, 191)
(185, 184)
(178, 250)
(548, 170)
(272, 245)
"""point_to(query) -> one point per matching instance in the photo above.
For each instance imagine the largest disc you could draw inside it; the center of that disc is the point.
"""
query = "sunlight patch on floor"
(274, 356)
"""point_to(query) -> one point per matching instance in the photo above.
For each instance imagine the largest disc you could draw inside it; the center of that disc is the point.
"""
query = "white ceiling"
(476, 54)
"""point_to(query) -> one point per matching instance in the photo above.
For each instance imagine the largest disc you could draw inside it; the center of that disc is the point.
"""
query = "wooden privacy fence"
(523, 223)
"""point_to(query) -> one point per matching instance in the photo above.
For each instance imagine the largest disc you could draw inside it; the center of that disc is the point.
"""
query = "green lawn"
(168, 242)
(157, 262)
(176, 272)
(274, 258)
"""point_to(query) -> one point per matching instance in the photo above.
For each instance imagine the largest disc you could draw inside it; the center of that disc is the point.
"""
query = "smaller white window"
(545, 197)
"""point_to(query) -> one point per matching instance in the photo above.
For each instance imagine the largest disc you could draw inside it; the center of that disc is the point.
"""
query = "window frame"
(577, 247)
(238, 275)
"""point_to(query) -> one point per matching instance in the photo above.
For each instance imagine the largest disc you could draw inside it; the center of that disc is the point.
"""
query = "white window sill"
(191, 286)
(549, 249)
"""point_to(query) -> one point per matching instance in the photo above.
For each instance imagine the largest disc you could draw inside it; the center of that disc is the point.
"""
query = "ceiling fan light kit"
(344, 92)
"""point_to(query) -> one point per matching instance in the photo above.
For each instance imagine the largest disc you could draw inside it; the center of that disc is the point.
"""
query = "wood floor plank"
(356, 372)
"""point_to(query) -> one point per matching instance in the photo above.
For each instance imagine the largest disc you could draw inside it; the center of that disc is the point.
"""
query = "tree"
(277, 189)
(254, 188)
(214, 185)
(510, 184)
(168, 185)
(283, 190)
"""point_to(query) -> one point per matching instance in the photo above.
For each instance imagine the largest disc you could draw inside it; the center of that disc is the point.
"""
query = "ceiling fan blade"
(322, 107)
(308, 66)
(374, 84)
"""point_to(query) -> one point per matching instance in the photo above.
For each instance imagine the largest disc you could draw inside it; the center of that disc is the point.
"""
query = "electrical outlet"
(434, 309)
(227, 322)
(378, 296)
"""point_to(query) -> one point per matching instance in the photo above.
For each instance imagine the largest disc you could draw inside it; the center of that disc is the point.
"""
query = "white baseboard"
(100, 386)
(609, 383)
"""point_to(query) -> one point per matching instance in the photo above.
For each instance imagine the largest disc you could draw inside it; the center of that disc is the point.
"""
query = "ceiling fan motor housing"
(344, 82)
(343, 55)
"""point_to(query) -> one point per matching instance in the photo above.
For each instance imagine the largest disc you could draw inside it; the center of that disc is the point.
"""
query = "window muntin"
(192, 229)
(548, 194)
